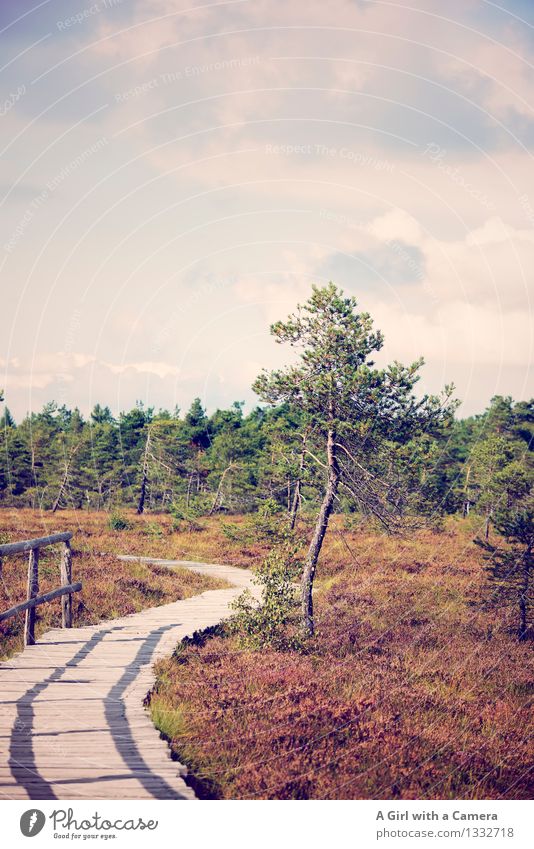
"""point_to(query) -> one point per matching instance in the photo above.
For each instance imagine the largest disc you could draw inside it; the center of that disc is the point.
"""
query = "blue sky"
(174, 176)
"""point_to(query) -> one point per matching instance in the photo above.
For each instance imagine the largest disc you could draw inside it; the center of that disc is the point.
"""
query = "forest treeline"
(228, 461)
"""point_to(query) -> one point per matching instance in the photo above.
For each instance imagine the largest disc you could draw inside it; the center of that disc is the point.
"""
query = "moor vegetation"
(411, 688)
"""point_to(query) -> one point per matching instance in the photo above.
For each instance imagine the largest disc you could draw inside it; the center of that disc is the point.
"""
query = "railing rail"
(42, 599)
(65, 591)
(31, 544)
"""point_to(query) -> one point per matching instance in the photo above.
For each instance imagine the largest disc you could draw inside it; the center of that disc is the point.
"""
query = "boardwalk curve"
(72, 721)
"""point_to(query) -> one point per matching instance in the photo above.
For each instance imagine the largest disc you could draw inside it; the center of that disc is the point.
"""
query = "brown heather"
(411, 689)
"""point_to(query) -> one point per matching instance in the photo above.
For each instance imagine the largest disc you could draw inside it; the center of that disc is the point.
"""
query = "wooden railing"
(65, 591)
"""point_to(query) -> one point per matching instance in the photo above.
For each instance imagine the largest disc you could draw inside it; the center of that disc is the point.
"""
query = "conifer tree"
(350, 402)
(511, 562)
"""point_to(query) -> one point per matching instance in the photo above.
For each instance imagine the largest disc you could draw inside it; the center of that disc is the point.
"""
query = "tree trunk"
(487, 526)
(297, 497)
(321, 525)
(142, 496)
(523, 595)
(294, 507)
(467, 494)
(215, 503)
(65, 480)
(144, 479)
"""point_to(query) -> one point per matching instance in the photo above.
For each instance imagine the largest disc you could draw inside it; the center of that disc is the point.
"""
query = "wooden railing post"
(66, 578)
(33, 600)
(33, 592)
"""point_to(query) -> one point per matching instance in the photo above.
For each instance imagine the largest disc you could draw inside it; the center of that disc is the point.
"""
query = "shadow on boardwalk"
(22, 759)
(72, 721)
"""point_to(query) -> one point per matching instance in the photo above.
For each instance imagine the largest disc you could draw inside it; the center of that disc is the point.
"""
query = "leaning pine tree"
(356, 410)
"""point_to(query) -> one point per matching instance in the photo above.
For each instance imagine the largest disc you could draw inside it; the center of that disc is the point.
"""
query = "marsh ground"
(412, 688)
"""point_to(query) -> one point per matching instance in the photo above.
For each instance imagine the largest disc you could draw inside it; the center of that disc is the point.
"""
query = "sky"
(176, 174)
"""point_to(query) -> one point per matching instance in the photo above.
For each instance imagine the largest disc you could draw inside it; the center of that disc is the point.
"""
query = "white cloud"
(43, 370)
(33, 380)
(157, 369)
(495, 231)
(56, 367)
(396, 224)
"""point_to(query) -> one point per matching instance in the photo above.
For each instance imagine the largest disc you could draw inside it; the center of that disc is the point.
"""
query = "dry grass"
(111, 587)
(151, 535)
(412, 688)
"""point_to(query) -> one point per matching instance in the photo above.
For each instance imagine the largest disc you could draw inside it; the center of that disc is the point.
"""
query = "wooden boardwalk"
(72, 721)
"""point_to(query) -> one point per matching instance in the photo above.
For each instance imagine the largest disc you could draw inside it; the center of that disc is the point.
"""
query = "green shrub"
(188, 514)
(118, 522)
(170, 721)
(269, 525)
(273, 622)
(153, 529)
(232, 532)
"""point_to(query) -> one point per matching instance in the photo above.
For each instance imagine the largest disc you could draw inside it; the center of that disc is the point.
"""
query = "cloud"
(161, 370)
(400, 71)
(498, 73)
(469, 269)
(43, 370)
(56, 368)
(396, 225)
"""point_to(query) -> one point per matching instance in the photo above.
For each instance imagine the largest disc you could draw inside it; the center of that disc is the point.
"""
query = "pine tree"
(511, 565)
(350, 403)
(488, 458)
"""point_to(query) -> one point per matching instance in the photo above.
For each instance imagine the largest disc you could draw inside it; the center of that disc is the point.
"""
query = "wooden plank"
(40, 599)
(31, 544)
